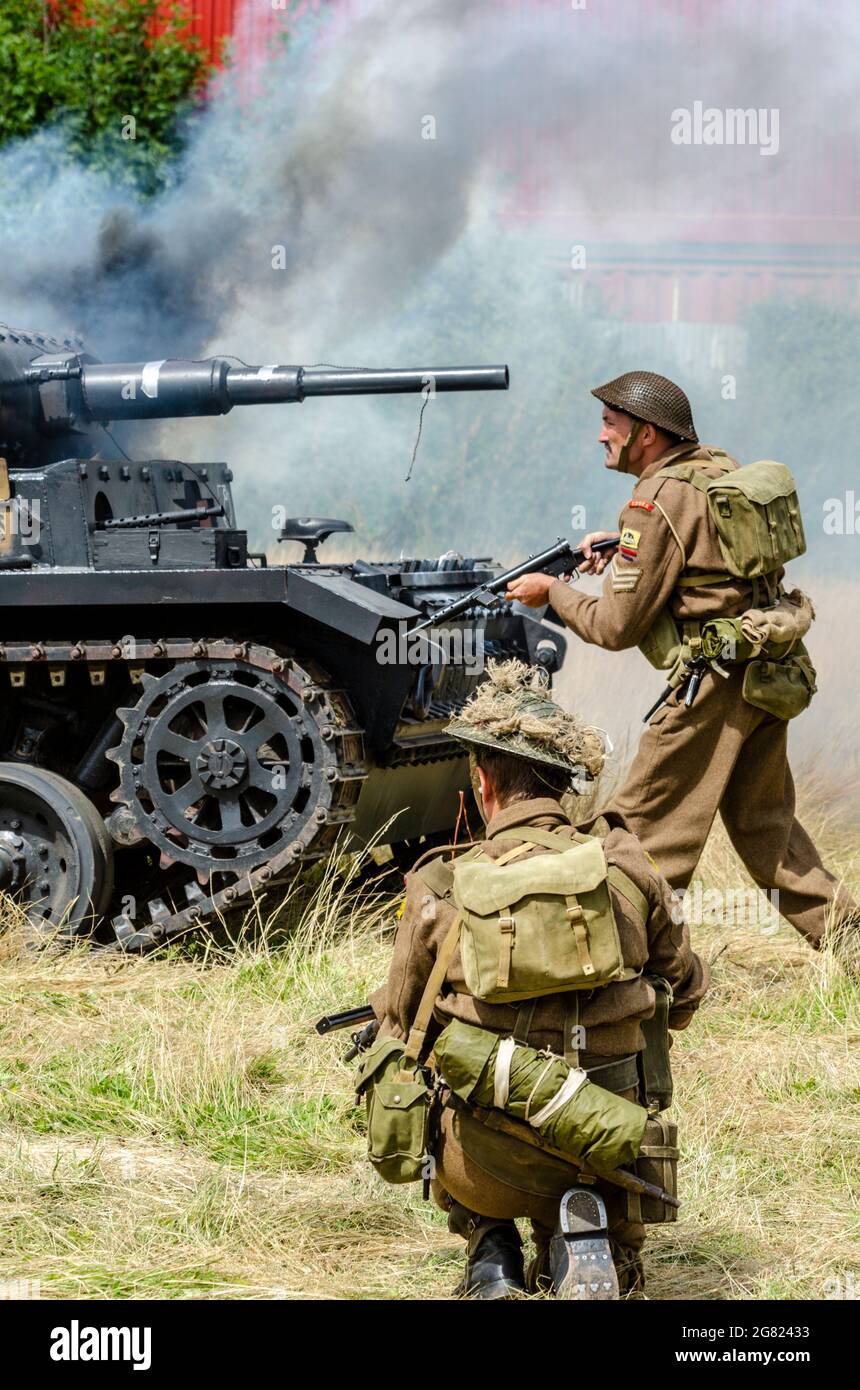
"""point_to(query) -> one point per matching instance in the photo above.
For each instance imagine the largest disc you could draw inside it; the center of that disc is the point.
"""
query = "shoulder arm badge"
(628, 545)
(641, 503)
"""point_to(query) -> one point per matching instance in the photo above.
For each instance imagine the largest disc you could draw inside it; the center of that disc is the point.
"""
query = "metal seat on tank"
(311, 531)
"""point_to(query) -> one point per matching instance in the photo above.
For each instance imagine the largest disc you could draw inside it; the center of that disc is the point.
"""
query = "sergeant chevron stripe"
(624, 578)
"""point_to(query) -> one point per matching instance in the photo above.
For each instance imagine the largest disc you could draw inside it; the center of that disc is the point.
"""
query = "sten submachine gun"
(619, 1177)
(559, 559)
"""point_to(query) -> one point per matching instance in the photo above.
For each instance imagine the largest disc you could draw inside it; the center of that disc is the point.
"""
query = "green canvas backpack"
(542, 926)
(755, 511)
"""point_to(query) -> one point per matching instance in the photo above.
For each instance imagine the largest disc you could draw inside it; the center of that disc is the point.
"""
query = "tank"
(184, 724)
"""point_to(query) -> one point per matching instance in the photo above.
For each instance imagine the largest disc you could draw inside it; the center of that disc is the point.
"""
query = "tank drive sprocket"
(240, 769)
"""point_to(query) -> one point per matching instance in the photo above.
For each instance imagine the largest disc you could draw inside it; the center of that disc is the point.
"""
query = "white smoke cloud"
(403, 250)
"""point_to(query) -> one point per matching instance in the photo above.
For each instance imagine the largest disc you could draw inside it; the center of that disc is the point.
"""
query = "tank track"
(341, 758)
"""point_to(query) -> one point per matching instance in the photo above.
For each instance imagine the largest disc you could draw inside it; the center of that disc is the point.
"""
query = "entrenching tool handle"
(631, 1183)
(619, 1177)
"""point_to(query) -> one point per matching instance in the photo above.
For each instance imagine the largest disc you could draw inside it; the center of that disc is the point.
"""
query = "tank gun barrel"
(174, 388)
(252, 385)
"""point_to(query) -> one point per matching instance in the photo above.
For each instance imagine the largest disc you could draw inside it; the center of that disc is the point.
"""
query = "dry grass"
(174, 1127)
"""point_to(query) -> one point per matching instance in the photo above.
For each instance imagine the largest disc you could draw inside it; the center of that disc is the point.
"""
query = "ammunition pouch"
(662, 643)
(782, 688)
(401, 1098)
(399, 1104)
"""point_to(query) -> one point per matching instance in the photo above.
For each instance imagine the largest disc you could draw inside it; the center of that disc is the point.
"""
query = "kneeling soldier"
(499, 966)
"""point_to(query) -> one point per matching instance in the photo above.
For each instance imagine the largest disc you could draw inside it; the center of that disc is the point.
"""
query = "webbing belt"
(619, 1076)
(692, 581)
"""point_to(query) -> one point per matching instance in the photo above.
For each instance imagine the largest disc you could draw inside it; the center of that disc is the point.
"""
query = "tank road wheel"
(238, 770)
(56, 857)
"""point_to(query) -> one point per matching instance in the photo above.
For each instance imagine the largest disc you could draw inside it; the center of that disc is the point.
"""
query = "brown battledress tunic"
(722, 754)
(491, 1174)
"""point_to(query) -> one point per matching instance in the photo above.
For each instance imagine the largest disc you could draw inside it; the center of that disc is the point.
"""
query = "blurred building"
(685, 280)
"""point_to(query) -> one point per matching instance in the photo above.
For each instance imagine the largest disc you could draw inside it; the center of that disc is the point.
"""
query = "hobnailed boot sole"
(579, 1254)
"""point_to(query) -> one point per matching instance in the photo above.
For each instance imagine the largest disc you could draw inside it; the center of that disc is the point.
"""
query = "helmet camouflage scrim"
(652, 398)
(512, 712)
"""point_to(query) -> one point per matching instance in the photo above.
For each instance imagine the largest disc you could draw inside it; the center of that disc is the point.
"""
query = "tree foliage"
(96, 69)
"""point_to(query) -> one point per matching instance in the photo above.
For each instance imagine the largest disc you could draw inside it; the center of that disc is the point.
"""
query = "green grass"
(175, 1128)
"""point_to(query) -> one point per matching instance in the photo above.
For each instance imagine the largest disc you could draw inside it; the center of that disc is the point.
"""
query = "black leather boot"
(494, 1262)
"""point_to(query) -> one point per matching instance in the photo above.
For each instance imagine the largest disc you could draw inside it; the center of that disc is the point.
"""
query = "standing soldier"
(696, 583)
(525, 752)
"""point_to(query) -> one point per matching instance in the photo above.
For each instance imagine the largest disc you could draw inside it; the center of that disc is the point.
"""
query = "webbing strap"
(693, 471)
(418, 1031)
(507, 927)
(502, 1072)
(692, 581)
(576, 918)
(525, 1015)
(620, 1075)
(571, 1030)
(690, 471)
(552, 839)
(654, 1063)
(575, 1078)
(625, 885)
(673, 528)
(550, 1061)
(438, 852)
(511, 854)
